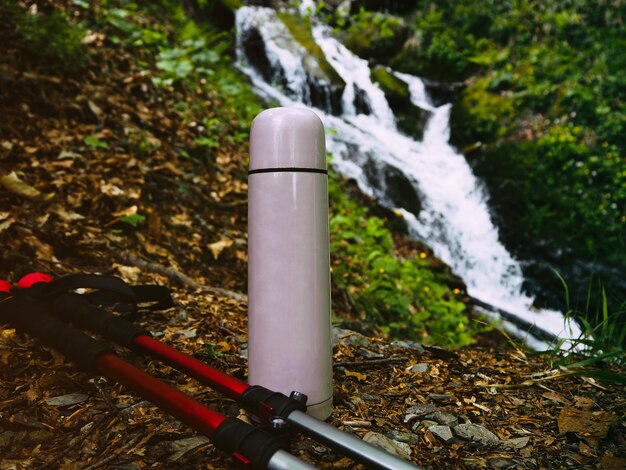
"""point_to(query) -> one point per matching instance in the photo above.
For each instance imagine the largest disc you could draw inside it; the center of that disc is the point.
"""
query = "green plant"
(401, 296)
(52, 38)
(604, 332)
(133, 219)
(95, 142)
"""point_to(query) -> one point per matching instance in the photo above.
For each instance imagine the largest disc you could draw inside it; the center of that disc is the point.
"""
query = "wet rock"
(399, 449)
(476, 433)
(442, 432)
(393, 185)
(418, 368)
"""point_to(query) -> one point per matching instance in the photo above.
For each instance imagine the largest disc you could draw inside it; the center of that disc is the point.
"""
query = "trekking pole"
(265, 403)
(252, 447)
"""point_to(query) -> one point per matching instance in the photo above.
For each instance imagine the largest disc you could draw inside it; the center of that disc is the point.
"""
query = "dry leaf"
(585, 423)
(132, 210)
(217, 247)
(357, 375)
(14, 184)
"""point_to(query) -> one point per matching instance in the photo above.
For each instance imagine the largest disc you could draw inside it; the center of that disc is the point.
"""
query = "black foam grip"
(281, 405)
(78, 310)
(254, 443)
(27, 315)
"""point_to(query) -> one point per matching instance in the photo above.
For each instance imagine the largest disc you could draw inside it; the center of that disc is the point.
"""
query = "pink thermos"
(289, 324)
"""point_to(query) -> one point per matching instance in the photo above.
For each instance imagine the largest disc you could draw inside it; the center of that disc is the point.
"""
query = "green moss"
(300, 29)
(375, 35)
(481, 115)
(233, 4)
(394, 88)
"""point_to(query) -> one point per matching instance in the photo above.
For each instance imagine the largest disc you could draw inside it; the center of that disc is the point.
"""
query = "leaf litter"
(68, 179)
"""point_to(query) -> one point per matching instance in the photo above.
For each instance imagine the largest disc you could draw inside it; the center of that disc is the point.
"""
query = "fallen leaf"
(217, 247)
(587, 424)
(132, 210)
(358, 375)
(14, 184)
(95, 109)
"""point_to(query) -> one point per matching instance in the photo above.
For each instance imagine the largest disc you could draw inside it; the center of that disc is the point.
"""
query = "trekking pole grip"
(29, 316)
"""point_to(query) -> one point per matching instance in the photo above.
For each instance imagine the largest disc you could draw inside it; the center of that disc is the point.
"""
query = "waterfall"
(444, 204)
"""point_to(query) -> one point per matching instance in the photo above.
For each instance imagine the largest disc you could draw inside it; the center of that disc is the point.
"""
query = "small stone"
(516, 442)
(425, 424)
(399, 449)
(476, 433)
(442, 432)
(422, 409)
(439, 397)
(349, 337)
(407, 345)
(418, 368)
(368, 397)
(67, 400)
(408, 437)
(444, 418)
(366, 353)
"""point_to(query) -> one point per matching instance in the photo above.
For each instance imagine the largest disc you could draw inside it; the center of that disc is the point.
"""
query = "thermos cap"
(290, 137)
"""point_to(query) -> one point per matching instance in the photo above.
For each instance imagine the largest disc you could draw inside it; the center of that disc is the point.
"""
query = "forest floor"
(92, 181)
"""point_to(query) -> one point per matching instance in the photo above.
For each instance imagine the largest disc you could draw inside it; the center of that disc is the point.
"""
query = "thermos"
(289, 324)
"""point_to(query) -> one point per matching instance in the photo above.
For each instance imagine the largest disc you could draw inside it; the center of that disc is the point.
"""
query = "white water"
(454, 221)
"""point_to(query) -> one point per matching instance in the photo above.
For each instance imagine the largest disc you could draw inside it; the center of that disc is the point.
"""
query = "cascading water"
(444, 204)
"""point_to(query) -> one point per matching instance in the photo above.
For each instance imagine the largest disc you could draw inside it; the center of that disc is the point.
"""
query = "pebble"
(439, 397)
(66, 400)
(408, 437)
(442, 432)
(349, 337)
(366, 353)
(476, 433)
(399, 449)
(444, 418)
(407, 345)
(418, 368)
(368, 397)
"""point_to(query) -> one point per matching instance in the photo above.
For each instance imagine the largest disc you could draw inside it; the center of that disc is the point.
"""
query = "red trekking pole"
(252, 447)
(265, 403)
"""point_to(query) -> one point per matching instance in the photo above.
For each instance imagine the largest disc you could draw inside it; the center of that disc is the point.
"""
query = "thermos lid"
(290, 137)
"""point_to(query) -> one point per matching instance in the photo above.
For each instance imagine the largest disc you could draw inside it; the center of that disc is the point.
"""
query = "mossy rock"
(375, 36)
(410, 119)
(300, 28)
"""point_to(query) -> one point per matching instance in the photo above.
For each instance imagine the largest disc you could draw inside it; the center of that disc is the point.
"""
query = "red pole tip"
(5, 286)
(33, 278)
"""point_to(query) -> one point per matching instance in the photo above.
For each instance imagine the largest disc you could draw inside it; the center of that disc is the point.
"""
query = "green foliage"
(373, 35)
(403, 296)
(133, 220)
(601, 342)
(52, 38)
(95, 143)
